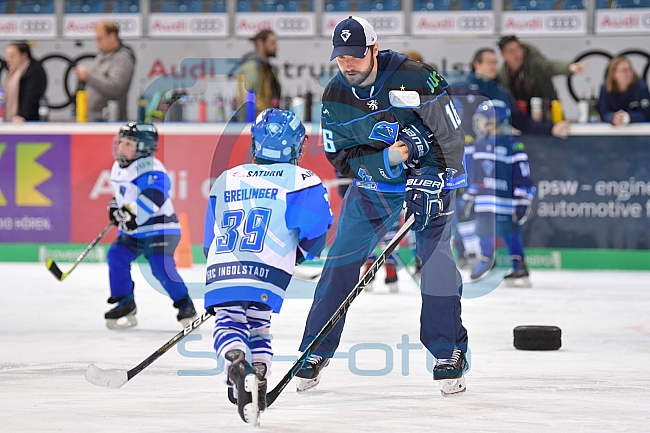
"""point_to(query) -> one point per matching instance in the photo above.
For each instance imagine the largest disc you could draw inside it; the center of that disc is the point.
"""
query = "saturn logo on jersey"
(274, 129)
(345, 35)
(487, 166)
(384, 131)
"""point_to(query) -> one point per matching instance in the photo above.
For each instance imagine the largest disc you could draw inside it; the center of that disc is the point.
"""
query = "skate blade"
(452, 386)
(368, 288)
(307, 384)
(393, 287)
(519, 282)
(129, 322)
(252, 409)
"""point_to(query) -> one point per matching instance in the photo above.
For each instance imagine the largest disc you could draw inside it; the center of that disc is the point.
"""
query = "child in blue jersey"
(262, 218)
(144, 213)
(500, 188)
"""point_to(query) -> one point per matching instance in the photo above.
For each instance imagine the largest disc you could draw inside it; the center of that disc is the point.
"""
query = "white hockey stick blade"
(107, 379)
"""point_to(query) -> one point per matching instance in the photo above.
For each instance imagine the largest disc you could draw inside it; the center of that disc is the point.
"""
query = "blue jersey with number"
(258, 216)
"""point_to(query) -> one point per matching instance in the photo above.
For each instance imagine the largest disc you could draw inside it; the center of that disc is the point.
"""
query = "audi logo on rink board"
(205, 25)
(481, 22)
(383, 23)
(645, 21)
(126, 25)
(292, 24)
(563, 22)
(36, 26)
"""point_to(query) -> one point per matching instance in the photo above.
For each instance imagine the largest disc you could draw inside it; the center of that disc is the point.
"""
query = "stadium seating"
(431, 5)
(475, 5)
(126, 6)
(623, 4)
(336, 5)
(532, 5)
(31, 7)
(573, 5)
(85, 6)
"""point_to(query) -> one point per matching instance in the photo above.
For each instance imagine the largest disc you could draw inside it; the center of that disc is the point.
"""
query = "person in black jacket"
(389, 123)
(24, 84)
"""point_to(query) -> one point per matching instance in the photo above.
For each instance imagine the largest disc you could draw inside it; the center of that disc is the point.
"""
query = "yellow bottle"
(81, 100)
(556, 111)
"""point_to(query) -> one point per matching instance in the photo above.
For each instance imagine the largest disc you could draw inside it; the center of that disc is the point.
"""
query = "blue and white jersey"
(144, 187)
(257, 216)
(500, 166)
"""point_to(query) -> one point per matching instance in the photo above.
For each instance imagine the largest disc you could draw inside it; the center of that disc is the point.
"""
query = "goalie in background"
(262, 218)
(501, 190)
(144, 214)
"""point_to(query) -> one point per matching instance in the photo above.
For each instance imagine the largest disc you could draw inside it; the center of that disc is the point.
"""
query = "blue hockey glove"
(418, 143)
(124, 219)
(423, 188)
(522, 199)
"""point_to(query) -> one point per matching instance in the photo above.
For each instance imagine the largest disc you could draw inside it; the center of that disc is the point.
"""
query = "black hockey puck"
(538, 337)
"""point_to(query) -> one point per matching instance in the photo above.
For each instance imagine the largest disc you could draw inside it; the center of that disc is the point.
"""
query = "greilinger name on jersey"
(249, 193)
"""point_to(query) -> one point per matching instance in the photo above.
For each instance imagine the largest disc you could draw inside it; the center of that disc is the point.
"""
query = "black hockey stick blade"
(56, 271)
(116, 379)
(343, 308)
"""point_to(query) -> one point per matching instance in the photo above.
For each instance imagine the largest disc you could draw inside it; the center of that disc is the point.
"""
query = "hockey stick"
(381, 259)
(63, 275)
(115, 379)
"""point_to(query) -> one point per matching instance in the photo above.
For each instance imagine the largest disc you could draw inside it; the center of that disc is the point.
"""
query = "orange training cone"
(183, 253)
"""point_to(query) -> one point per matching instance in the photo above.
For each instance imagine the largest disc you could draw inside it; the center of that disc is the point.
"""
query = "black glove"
(112, 207)
(423, 188)
(418, 143)
(122, 217)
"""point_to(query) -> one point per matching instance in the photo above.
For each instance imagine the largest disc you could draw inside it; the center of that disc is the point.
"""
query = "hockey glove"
(124, 219)
(423, 188)
(418, 143)
(112, 207)
(522, 199)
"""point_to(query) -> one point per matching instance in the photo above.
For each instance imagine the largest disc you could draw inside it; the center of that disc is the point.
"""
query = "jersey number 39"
(257, 222)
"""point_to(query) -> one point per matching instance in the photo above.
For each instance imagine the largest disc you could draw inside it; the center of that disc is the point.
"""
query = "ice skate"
(391, 278)
(449, 373)
(260, 371)
(125, 309)
(186, 312)
(481, 269)
(243, 378)
(518, 275)
(309, 372)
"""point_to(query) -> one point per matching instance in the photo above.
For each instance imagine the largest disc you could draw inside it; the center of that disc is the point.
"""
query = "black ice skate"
(243, 377)
(125, 309)
(449, 373)
(260, 371)
(309, 372)
(391, 278)
(186, 312)
(482, 268)
(518, 275)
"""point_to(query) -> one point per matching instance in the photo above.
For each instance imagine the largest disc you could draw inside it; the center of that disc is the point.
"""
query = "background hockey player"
(262, 218)
(144, 214)
(500, 188)
(379, 112)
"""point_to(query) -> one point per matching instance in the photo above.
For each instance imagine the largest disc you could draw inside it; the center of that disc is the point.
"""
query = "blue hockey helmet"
(493, 109)
(278, 136)
(145, 136)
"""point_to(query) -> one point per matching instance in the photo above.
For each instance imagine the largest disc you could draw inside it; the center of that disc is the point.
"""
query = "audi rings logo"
(293, 24)
(474, 23)
(60, 67)
(384, 23)
(565, 22)
(36, 26)
(126, 25)
(645, 21)
(205, 25)
(596, 56)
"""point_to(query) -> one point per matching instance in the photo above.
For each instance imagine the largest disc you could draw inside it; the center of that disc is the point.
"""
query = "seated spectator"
(24, 84)
(623, 98)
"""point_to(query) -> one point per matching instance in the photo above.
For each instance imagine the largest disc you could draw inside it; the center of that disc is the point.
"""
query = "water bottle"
(43, 109)
(82, 102)
(2, 105)
(202, 110)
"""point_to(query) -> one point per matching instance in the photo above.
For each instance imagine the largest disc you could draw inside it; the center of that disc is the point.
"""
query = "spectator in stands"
(623, 98)
(109, 77)
(258, 76)
(24, 84)
(527, 73)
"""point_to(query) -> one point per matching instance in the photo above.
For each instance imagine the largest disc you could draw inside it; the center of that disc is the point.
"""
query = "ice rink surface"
(599, 381)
